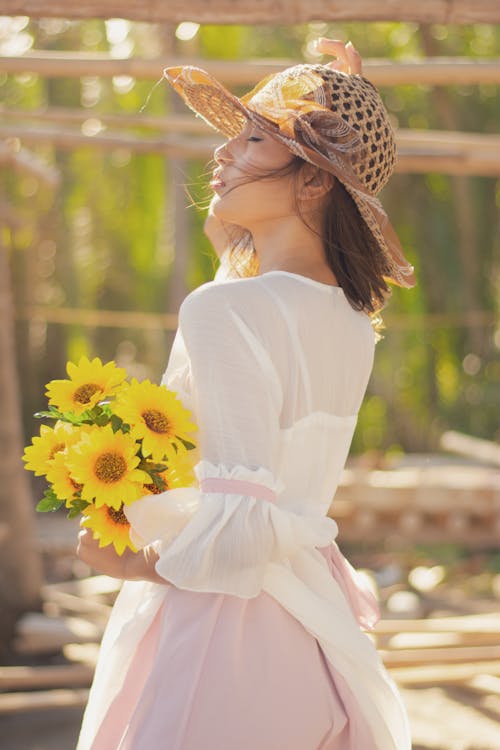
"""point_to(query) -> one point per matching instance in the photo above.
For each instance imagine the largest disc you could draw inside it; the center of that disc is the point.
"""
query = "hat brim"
(227, 114)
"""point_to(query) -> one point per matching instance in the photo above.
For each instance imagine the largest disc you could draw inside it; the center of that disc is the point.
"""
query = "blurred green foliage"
(105, 238)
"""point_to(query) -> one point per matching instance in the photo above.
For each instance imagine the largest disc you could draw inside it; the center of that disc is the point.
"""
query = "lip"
(217, 183)
(217, 187)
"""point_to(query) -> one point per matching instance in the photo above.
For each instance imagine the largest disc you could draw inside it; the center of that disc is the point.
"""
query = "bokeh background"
(103, 238)
(103, 195)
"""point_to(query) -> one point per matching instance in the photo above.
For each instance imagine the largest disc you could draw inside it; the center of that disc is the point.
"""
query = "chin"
(222, 209)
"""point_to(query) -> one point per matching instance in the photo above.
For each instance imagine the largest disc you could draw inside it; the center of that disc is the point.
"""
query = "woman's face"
(247, 191)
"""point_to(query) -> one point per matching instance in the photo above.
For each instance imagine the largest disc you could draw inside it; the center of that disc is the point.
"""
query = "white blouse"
(274, 368)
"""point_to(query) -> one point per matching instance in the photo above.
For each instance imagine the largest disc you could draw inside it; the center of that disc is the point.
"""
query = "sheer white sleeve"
(236, 529)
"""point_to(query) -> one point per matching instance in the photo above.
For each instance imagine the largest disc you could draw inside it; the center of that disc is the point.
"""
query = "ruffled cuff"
(222, 542)
(161, 517)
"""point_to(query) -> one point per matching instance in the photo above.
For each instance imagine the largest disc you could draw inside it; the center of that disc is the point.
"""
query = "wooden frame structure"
(419, 151)
(262, 11)
(433, 71)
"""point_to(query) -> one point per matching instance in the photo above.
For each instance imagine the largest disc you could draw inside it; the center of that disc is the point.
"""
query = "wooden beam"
(42, 700)
(188, 125)
(75, 604)
(171, 123)
(37, 633)
(459, 155)
(101, 318)
(475, 624)
(466, 445)
(67, 139)
(430, 656)
(25, 161)
(444, 674)
(262, 11)
(437, 71)
(56, 676)
(168, 322)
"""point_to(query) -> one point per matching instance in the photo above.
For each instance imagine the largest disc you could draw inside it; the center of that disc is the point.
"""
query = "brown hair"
(350, 248)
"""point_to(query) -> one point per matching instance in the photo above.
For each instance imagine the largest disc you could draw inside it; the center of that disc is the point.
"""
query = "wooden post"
(20, 577)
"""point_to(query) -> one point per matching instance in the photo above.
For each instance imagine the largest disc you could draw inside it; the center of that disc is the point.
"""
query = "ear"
(314, 182)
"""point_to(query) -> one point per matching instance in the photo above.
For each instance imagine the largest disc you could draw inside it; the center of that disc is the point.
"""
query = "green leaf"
(187, 445)
(49, 502)
(101, 419)
(77, 506)
(150, 466)
(116, 422)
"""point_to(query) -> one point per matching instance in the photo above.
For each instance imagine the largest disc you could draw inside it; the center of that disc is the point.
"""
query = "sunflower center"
(118, 516)
(84, 393)
(55, 449)
(110, 467)
(153, 489)
(156, 421)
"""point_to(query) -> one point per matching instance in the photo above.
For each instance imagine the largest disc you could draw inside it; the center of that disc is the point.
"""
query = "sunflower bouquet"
(111, 443)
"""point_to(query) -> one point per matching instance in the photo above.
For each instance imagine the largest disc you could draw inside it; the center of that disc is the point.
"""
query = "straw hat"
(334, 120)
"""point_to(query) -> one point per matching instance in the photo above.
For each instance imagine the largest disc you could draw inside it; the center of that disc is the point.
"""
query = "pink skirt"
(218, 672)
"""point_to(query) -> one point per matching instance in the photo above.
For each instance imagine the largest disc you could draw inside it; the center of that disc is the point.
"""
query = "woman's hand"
(131, 566)
(348, 58)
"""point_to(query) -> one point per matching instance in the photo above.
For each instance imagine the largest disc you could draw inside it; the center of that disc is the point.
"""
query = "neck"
(287, 245)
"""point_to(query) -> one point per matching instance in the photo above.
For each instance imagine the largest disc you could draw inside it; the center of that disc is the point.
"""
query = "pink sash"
(361, 599)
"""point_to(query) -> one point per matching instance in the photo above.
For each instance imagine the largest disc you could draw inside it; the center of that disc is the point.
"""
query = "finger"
(330, 46)
(86, 540)
(349, 59)
(354, 58)
(338, 65)
(336, 48)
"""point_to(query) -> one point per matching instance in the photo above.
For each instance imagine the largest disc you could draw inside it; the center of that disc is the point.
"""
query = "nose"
(222, 154)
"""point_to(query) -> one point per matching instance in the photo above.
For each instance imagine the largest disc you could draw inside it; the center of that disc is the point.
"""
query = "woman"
(241, 627)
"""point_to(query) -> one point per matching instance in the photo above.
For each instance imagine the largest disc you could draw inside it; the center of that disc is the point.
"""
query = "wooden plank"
(97, 319)
(484, 684)
(441, 656)
(404, 640)
(172, 123)
(36, 633)
(446, 674)
(448, 159)
(82, 653)
(188, 125)
(29, 678)
(90, 586)
(472, 447)
(28, 163)
(262, 11)
(42, 700)
(431, 71)
(75, 604)
(489, 623)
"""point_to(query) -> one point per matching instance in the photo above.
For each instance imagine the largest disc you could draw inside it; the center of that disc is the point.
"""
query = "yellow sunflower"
(156, 416)
(105, 463)
(89, 383)
(60, 478)
(40, 455)
(109, 526)
(179, 473)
